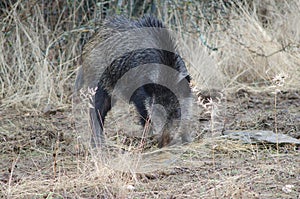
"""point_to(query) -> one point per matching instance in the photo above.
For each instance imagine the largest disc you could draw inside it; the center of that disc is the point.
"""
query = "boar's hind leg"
(101, 107)
(139, 98)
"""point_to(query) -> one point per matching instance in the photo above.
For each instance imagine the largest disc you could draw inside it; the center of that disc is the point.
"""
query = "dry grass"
(211, 168)
(42, 155)
(38, 59)
(249, 51)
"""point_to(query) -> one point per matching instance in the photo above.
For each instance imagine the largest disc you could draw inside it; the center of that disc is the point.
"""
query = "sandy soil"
(42, 155)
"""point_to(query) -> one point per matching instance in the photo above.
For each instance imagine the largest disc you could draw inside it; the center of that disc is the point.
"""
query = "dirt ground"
(42, 155)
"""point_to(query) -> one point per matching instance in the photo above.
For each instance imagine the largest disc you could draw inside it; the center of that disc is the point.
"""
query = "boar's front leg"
(102, 104)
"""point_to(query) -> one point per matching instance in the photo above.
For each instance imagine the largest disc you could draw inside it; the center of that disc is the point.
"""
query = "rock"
(259, 136)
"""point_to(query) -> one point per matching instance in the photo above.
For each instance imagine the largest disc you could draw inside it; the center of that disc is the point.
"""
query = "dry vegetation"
(250, 51)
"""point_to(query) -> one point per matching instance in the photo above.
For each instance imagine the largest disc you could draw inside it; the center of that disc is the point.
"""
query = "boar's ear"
(184, 77)
(188, 78)
(79, 79)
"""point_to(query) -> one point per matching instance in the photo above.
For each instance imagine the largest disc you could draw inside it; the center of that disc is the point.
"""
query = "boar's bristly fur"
(125, 53)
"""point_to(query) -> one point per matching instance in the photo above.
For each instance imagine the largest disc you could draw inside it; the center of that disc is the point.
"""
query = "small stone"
(260, 136)
(288, 188)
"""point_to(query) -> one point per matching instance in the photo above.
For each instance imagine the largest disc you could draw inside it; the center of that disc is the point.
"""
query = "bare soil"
(42, 157)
